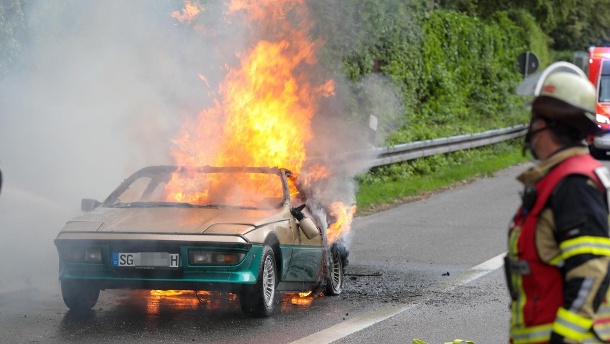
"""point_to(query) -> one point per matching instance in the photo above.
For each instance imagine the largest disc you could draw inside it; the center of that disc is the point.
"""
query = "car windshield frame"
(113, 201)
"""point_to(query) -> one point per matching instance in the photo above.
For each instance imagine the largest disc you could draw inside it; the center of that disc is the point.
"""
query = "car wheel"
(79, 296)
(334, 278)
(259, 299)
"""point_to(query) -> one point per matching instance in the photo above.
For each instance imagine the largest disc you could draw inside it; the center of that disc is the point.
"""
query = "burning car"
(242, 230)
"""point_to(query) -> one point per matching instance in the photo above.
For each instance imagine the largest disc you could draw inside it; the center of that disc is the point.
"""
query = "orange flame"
(313, 173)
(299, 299)
(167, 292)
(343, 215)
(267, 117)
(189, 299)
(189, 12)
(181, 299)
(264, 107)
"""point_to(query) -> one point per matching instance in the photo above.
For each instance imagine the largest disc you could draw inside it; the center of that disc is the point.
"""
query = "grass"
(379, 196)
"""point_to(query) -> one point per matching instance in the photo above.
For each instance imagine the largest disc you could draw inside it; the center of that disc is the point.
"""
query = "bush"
(456, 74)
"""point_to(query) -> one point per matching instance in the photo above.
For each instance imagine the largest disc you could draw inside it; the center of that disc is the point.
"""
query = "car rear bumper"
(185, 276)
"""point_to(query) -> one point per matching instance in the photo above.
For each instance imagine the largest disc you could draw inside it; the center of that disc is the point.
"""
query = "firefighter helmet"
(563, 93)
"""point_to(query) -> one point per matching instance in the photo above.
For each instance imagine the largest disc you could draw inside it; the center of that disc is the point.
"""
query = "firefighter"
(559, 250)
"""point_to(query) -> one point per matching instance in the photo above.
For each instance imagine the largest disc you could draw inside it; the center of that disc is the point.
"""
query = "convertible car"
(233, 229)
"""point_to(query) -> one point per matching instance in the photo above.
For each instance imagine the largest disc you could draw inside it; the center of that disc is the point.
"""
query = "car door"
(306, 257)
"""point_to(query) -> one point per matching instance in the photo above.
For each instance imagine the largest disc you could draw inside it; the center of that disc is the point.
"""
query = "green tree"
(548, 13)
(587, 23)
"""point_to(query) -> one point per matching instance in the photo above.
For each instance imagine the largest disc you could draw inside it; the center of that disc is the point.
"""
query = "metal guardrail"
(408, 151)
(420, 149)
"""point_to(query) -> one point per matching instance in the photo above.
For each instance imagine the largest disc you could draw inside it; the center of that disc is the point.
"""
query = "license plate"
(154, 259)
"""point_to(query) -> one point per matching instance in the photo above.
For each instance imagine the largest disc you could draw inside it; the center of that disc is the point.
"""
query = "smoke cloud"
(95, 97)
(102, 90)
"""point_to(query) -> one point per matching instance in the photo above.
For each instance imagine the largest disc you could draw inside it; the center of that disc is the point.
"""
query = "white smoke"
(100, 91)
(97, 94)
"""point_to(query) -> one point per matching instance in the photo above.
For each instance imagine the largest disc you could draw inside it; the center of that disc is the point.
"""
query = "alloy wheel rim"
(268, 281)
(336, 270)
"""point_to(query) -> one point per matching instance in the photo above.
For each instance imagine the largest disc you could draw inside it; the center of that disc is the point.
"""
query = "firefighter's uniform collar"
(534, 174)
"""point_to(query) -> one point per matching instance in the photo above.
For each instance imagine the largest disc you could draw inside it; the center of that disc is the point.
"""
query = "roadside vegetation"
(388, 186)
(454, 64)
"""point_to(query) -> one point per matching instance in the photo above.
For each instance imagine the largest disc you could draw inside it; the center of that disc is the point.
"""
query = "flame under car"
(232, 229)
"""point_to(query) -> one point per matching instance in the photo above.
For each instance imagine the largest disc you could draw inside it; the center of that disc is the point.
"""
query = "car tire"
(79, 295)
(259, 300)
(334, 275)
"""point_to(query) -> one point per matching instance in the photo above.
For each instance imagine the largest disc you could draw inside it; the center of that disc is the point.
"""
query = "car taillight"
(72, 255)
(208, 257)
(93, 255)
(82, 255)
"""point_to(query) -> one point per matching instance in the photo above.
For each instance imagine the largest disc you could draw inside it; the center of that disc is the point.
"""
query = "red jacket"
(537, 285)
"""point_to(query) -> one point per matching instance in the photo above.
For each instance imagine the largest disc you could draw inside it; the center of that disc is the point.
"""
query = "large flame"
(265, 104)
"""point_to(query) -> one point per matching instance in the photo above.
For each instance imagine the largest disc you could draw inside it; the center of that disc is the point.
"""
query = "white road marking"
(368, 319)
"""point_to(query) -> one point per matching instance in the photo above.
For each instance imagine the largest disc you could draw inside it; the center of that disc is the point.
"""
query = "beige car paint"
(158, 222)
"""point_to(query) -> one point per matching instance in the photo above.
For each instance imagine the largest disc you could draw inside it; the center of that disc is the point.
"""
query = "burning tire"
(334, 278)
(79, 296)
(259, 299)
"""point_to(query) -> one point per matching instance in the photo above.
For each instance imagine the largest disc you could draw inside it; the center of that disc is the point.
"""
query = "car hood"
(174, 220)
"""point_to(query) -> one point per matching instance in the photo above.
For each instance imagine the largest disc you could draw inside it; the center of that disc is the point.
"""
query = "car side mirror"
(88, 204)
(309, 228)
(306, 224)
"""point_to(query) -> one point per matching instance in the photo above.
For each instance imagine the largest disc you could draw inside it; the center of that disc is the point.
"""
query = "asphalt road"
(427, 269)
